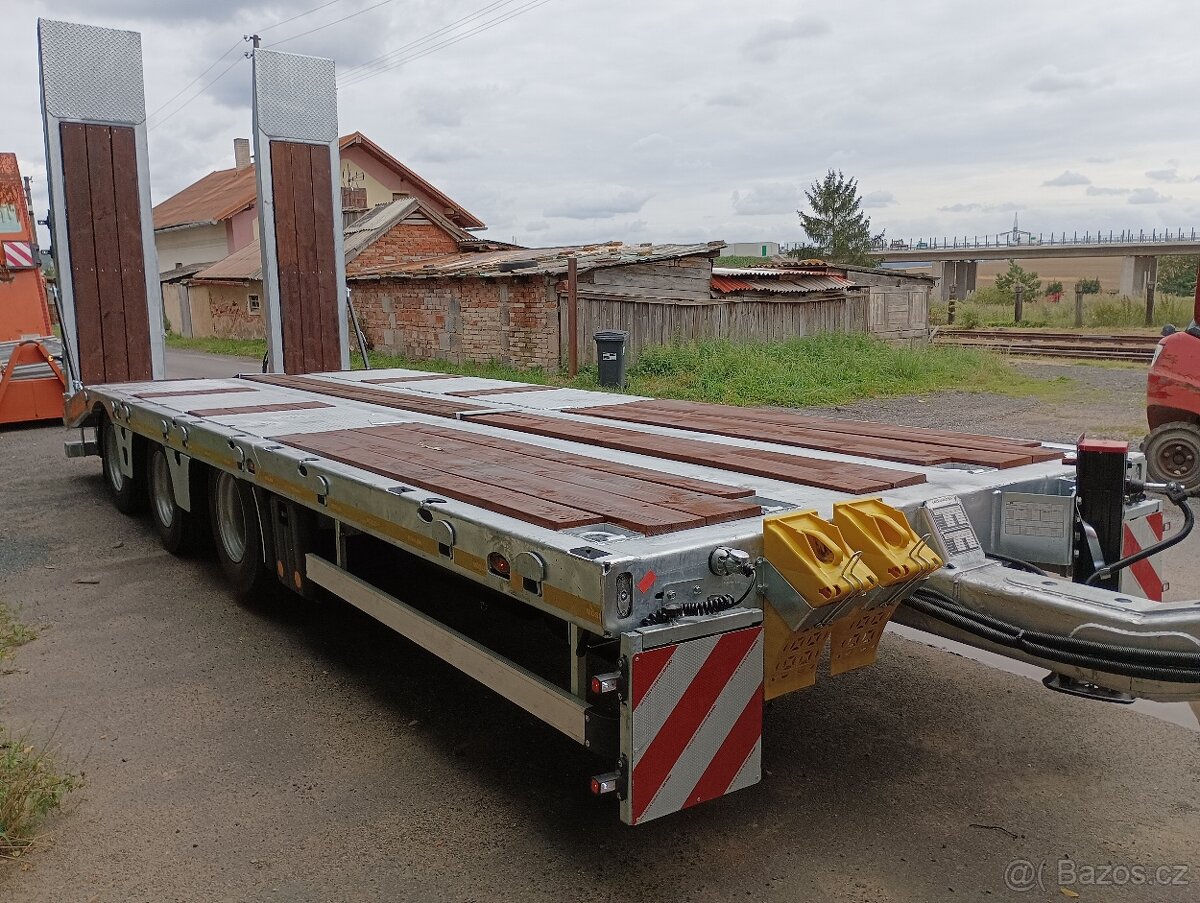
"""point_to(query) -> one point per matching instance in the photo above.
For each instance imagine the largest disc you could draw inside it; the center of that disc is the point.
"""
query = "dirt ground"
(305, 753)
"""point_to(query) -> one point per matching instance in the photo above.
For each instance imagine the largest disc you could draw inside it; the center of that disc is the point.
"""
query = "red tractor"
(1173, 405)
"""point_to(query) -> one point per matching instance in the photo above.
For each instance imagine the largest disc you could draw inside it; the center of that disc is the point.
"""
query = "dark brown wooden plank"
(635, 504)
(131, 253)
(858, 479)
(386, 381)
(747, 427)
(632, 484)
(514, 504)
(324, 226)
(421, 404)
(501, 471)
(81, 243)
(175, 393)
(291, 313)
(108, 253)
(847, 427)
(306, 256)
(261, 408)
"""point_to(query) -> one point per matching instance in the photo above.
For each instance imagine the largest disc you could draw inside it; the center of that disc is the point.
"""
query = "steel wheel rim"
(112, 463)
(161, 490)
(231, 518)
(1177, 458)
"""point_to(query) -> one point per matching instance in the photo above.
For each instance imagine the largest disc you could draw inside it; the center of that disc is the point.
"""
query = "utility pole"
(950, 304)
(253, 39)
(1151, 281)
(1078, 304)
(1019, 307)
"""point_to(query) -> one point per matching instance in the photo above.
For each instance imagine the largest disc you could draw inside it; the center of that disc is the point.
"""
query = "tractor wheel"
(1173, 454)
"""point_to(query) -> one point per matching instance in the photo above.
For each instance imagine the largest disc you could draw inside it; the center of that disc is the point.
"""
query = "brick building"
(511, 305)
(225, 299)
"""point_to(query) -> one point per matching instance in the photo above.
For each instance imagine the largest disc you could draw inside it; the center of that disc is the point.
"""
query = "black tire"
(1173, 454)
(180, 532)
(238, 537)
(128, 494)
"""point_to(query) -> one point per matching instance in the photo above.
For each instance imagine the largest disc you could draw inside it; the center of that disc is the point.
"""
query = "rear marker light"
(499, 565)
(605, 783)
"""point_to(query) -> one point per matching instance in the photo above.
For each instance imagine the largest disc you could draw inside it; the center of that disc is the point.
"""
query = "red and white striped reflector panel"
(18, 254)
(1145, 577)
(695, 724)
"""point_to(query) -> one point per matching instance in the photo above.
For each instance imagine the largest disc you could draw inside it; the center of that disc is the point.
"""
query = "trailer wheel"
(178, 530)
(127, 493)
(1173, 453)
(237, 536)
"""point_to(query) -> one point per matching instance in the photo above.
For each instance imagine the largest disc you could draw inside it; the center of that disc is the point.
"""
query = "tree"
(1017, 274)
(1088, 286)
(837, 228)
(1177, 274)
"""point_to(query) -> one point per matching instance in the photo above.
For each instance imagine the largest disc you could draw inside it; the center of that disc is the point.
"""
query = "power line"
(361, 68)
(479, 29)
(224, 72)
(329, 24)
(236, 45)
(315, 9)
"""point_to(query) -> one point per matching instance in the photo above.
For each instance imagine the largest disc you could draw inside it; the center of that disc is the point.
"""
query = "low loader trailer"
(693, 560)
(700, 559)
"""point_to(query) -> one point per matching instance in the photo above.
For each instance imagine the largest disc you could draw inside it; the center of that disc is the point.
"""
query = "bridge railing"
(1040, 239)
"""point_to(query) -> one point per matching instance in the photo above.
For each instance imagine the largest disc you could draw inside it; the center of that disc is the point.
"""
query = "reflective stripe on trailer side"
(696, 722)
(1146, 577)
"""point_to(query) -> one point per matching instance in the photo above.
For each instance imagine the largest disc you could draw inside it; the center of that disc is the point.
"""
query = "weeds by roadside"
(32, 784)
(1099, 312)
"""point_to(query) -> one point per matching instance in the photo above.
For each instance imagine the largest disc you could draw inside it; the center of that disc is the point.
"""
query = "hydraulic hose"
(1149, 664)
(1179, 496)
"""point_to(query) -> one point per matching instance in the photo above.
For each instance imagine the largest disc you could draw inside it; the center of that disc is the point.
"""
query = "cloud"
(878, 199)
(443, 149)
(768, 40)
(537, 226)
(1049, 80)
(655, 141)
(598, 204)
(1147, 196)
(1068, 178)
(1097, 191)
(1004, 207)
(728, 99)
(1170, 175)
(442, 115)
(774, 197)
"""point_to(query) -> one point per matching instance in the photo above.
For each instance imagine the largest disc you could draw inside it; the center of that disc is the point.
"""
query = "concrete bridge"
(955, 260)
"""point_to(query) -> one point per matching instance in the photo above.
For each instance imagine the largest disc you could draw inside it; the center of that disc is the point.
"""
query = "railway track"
(1043, 343)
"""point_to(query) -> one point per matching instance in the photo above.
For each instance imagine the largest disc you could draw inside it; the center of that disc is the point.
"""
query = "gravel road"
(305, 753)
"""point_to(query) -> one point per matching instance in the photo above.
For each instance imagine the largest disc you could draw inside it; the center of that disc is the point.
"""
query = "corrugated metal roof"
(535, 261)
(242, 265)
(730, 284)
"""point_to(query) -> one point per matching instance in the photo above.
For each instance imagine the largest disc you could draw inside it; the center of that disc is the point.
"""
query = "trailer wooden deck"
(434, 441)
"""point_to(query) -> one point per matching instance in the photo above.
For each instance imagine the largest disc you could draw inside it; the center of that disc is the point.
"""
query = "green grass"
(811, 371)
(1100, 312)
(12, 632)
(31, 783)
(734, 261)
(815, 370)
(823, 370)
(235, 347)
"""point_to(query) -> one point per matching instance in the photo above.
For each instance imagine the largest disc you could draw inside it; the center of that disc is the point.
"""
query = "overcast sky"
(668, 120)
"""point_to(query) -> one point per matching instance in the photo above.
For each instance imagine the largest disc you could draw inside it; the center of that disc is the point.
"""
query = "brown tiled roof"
(213, 199)
(221, 194)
